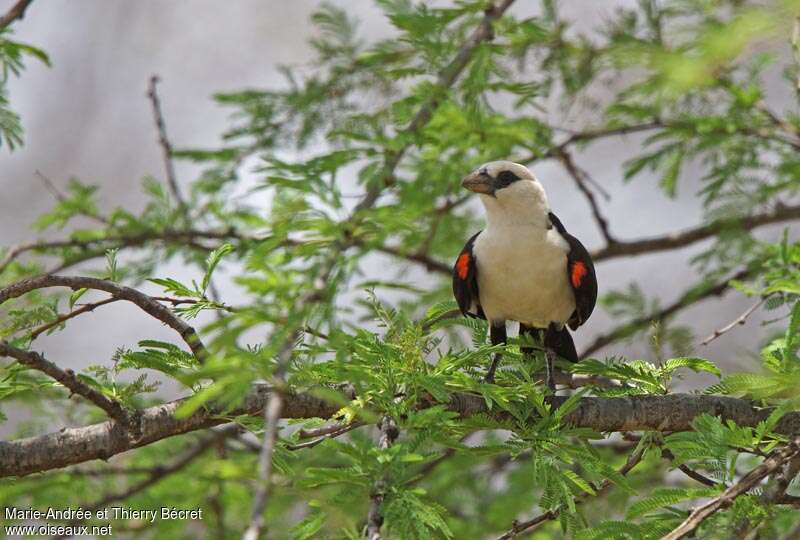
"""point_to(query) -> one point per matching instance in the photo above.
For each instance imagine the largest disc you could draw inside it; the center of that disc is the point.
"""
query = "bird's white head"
(511, 194)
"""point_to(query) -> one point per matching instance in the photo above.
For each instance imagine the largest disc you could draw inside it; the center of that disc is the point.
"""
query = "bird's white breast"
(522, 275)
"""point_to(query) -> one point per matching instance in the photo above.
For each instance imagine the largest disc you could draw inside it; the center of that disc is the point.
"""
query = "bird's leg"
(497, 336)
(550, 358)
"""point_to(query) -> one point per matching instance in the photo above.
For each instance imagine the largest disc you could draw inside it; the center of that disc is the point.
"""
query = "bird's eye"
(506, 177)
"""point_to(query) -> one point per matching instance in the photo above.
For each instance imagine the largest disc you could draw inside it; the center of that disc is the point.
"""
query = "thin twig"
(691, 473)
(796, 51)
(581, 179)
(113, 408)
(330, 435)
(60, 197)
(147, 303)
(166, 146)
(326, 430)
(389, 434)
(17, 11)
(776, 460)
(535, 523)
(50, 186)
(740, 320)
(85, 308)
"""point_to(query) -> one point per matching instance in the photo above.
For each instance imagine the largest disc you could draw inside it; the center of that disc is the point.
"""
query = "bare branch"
(796, 50)
(740, 320)
(17, 11)
(622, 248)
(166, 146)
(331, 435)
(148, 304)
(691, 473)
(85, 308)
(69, 380)
(773, 463)
(581, 178)
(389, 434)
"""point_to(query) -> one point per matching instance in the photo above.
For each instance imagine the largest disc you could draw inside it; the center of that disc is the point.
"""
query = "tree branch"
(691, 473)
(17, 11)
(581, 178)
(389, 434)
(148, 304)
(70, 446)
(741, 319)
(85, 308)
(748, 482)
(622, 248)
(69, 380)
(163, 140)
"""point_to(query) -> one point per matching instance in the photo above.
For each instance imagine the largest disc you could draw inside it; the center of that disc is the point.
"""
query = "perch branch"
(668, 413)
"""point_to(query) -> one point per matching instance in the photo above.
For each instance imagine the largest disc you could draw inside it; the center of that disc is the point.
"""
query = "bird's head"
(509, 192)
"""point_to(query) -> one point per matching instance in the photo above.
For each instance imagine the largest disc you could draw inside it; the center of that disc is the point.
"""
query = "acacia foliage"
(398, 122)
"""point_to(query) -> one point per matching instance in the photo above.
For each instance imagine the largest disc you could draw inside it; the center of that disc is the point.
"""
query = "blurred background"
(88, 117)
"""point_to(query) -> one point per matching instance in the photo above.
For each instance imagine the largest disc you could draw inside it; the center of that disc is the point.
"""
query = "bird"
(524, 266)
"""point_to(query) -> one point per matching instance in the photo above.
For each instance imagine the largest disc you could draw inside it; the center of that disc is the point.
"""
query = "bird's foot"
(489, 378)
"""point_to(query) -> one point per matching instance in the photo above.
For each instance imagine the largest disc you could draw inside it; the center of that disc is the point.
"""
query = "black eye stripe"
(505, 178)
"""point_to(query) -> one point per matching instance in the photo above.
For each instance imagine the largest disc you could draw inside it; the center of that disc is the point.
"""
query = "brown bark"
(70, 446)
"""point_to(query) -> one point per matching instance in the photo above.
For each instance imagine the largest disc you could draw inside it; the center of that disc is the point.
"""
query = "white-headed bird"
(524, 266)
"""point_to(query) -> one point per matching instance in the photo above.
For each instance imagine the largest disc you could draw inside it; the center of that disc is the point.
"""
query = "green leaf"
(694, 363)
(211, 263)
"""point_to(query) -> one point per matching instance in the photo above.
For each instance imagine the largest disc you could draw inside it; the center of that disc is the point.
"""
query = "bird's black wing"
(581, 276)
(465, 282)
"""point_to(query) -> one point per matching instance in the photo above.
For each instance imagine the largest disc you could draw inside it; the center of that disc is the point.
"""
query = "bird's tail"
(559, 341)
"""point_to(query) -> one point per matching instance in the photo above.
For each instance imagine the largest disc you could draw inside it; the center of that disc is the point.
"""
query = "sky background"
(88, 117)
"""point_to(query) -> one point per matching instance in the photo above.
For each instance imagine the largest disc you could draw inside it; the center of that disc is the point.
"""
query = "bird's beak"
(479, 182)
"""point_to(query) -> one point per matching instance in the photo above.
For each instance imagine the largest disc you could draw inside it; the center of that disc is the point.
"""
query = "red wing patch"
(462, 265)
(578, 272)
